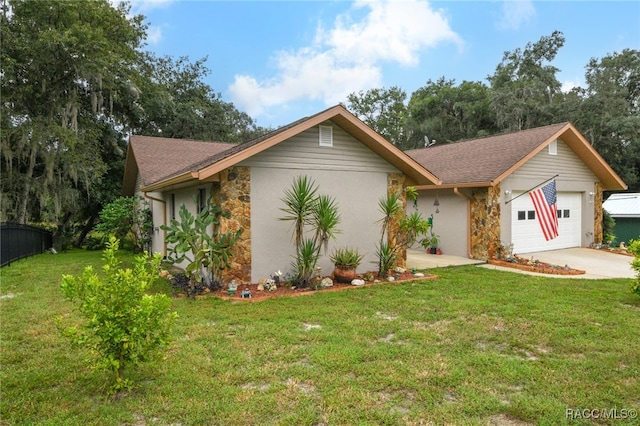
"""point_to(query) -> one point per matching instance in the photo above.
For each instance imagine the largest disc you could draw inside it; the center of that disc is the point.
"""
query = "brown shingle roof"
(161, 158)
(482, 160)
(164, 162)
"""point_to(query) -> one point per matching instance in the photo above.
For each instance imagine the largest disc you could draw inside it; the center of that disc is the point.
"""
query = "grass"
(474, 346)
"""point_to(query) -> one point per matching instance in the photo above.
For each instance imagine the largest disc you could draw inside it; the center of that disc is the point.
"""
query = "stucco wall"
(573, 176)
(356, 194)
(450, 223)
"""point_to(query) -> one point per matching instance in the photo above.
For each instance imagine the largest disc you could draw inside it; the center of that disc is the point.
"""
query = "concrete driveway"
(597, 263)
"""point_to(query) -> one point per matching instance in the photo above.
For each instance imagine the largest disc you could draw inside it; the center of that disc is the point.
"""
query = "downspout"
(164, 221)
(468, 199)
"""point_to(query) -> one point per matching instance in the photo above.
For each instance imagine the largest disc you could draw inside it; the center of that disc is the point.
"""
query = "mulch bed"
(287, 291)
(536, 266)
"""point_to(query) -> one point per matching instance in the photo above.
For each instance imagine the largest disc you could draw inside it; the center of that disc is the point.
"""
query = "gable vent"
(326, 136)
(553, 147)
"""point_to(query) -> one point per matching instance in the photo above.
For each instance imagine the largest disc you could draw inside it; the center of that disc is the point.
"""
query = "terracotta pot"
(344, 275)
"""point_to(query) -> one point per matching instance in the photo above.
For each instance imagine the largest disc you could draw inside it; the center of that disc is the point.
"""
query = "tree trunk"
(22, 210)
(88, 226)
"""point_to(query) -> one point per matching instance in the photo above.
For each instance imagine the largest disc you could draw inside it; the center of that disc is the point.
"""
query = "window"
(559, 213)
(531, 214)
(172, 206)
(202, 199)
(326, 136)
(566, 213)
(553, 148)
(522, 215)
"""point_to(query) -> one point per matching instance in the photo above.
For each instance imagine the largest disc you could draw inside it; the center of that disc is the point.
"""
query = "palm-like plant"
(325, 219)
(300, 203)
(305, 208)
(409, 228)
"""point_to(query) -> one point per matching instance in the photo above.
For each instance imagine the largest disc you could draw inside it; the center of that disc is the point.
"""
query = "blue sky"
(282, 60)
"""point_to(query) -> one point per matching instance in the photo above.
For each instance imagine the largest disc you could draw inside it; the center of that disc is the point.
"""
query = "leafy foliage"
(76, 82)
(634, 247)
(208, 255)
(383, 110)
(400, 229)
(124, 326)
(524, 86)
(445, 112)
(128, 219)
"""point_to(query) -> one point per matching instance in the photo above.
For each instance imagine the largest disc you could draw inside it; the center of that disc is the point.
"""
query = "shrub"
(634, 247)
(129, 220)
(207, 255)
(123, 325)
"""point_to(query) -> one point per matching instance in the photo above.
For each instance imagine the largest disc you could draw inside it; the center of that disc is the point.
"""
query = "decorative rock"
(400, 270)
(260, 287)
(262, 281)
(326, 282)
(390, 279)
(357, 282)
(273, 288)
(418, 275)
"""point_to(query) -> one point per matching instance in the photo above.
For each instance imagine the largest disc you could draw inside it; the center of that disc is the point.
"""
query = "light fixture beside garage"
(591, 194)
(437, 203)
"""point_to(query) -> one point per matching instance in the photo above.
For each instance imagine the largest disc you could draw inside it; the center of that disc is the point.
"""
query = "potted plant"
(346, 260)
(430, 243)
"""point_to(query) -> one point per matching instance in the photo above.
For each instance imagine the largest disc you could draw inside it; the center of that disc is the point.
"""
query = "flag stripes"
(545, 204)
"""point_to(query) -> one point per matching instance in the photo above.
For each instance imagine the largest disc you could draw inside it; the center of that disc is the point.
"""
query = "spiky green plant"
(319, 212)
(346, 257)
(300, 203)
(410, 228)
(305, 261)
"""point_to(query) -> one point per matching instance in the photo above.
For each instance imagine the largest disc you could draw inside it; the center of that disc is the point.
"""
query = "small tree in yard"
(208, 255)
(128, 219)
(123, 325)
(634, 247)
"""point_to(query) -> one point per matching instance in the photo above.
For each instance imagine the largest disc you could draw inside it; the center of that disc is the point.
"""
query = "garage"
(526, 234)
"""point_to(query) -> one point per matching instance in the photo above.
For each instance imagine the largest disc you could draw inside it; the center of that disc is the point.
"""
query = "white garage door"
(526, 233)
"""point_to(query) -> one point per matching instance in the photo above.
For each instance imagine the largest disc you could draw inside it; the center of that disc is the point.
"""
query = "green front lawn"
(472, 347)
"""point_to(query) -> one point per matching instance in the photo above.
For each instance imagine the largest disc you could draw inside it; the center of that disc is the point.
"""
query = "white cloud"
(568, 85)
(515, 13)
(154, 34)
(348, 57)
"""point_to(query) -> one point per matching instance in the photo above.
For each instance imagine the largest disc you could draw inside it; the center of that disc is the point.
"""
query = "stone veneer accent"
(235, 196)
(395, 183)
(485, 222)
(597, 214)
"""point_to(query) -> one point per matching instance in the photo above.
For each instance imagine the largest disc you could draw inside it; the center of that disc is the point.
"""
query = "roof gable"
(157, 159)
(487, 161)
(214, 158)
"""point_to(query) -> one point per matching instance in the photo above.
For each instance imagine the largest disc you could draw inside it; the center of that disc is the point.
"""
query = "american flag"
(545, 202)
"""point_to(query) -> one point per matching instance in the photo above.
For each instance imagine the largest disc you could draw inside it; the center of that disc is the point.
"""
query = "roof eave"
(455, 185)
(583, 149)
(179, 179)
(351, 124)
(130, 173)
